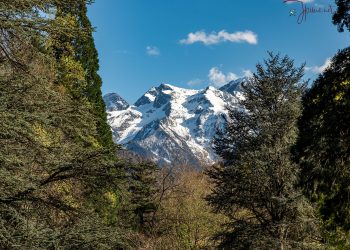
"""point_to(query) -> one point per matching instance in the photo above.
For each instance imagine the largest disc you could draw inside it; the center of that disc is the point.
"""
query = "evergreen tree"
(341, 17)
(323, 147)
(143, 191)
(89, 59)
(255, 186)
(50, 160)
(80, 50)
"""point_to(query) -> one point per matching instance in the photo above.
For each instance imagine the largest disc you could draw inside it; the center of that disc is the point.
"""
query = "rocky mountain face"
(115, 102)
(172, 125)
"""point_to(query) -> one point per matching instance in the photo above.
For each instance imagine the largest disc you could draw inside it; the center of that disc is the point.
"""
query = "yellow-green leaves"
(71, 75)
(339, 96)
(66, 26)
(341, 90)
(47, 137)
(345, 83)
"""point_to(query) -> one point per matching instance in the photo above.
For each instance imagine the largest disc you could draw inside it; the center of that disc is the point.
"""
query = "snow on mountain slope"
(172, 125)
(114, 101)
(233, 86)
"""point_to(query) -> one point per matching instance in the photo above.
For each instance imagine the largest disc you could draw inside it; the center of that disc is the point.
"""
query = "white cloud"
(195, 82)
(218, 78)
(152, 51)
(247, 73)
(319, 69)
(222, 36)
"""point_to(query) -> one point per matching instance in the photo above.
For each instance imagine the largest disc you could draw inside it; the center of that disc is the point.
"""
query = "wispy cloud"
(152, 51)
(194, 82)
(247, 73)
(319, 69)
(218, 78)
(221, 36)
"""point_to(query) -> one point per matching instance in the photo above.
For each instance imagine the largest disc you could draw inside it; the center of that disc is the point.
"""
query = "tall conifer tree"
(323, 147)
(50, 159)
(89, 59)
(341, 17)
(255, 187)
(83, 52)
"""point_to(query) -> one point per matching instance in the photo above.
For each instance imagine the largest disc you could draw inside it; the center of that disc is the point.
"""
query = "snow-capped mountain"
(233, 87)
(172, 125)
(115, 102)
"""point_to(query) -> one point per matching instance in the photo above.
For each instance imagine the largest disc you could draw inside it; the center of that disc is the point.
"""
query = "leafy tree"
(323, 147)
(341, 17)
(184, 219)
(50, 159)
(22, 18)
(255, 186)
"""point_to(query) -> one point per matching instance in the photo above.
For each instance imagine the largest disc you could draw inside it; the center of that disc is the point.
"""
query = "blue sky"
(196, 43)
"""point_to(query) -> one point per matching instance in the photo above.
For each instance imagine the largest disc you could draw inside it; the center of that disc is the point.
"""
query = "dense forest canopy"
(282, 183)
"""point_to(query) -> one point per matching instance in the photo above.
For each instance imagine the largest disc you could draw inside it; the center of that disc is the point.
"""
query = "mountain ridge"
(172, 125)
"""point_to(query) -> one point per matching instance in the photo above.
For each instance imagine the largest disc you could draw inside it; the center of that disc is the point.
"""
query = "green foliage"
(45, 151)
(323, 144)
(143, 191)
(81, 49)
(184, 219)
(255, 187)
(87, 55)
(341, 17)
(71, 74)
(52, 164)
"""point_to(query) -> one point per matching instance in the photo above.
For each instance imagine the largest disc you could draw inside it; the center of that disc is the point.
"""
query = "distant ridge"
(172, 125)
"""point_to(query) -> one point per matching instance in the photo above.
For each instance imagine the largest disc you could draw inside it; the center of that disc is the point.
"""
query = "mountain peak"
(115, 102)
(210, 88)
(233, 86)
(166, 86)
(173, 125)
